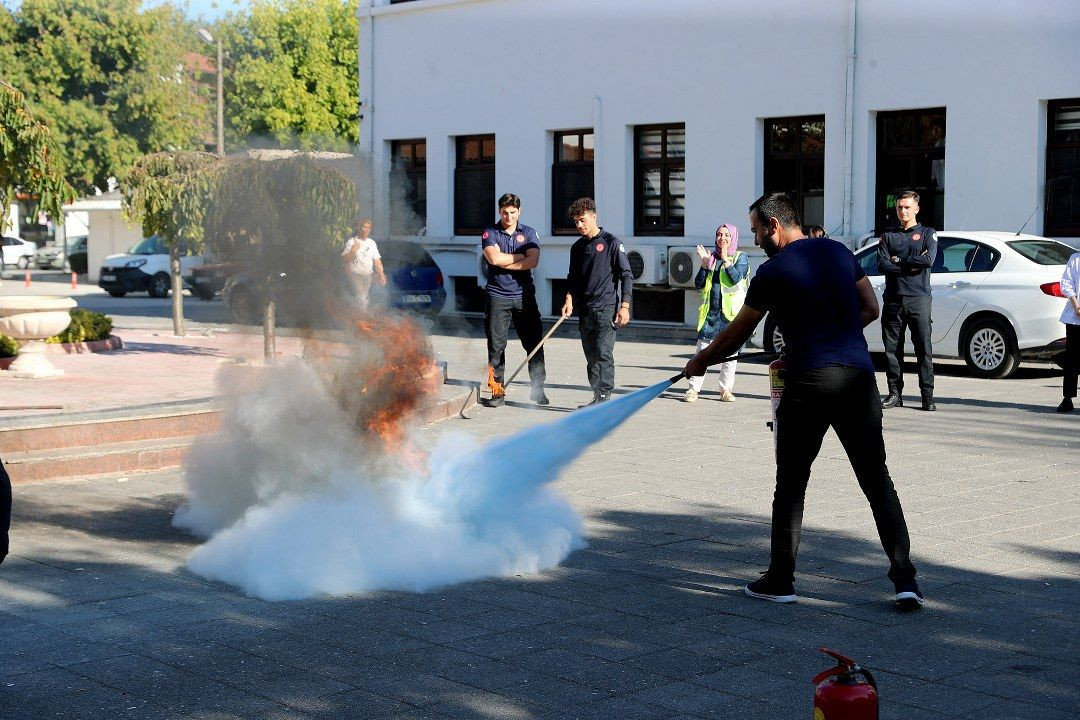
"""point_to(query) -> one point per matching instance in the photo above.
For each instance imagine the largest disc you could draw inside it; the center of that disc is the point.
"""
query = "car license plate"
(413, 299)
(108, 278)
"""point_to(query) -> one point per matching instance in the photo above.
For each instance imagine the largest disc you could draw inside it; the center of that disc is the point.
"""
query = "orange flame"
(496, 389)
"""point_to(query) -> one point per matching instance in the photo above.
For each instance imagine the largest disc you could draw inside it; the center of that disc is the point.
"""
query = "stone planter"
(29, 320)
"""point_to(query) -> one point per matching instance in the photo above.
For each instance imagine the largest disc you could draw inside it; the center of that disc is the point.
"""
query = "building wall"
(522, 69)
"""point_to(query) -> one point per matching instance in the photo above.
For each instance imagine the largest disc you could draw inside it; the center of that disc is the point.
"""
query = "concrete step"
(98, 459)
(54, 433)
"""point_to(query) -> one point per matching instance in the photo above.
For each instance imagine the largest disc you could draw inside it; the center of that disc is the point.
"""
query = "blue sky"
(206, 9)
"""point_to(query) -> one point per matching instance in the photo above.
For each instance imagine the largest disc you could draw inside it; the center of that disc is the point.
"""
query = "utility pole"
(207, 37)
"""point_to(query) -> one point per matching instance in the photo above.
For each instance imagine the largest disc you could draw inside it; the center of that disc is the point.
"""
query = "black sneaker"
(496, 401)
(591, 402)
(892, 400)
(597, 399)
(908, 596)
(765, 588)
(1066, 405)
(929, 406)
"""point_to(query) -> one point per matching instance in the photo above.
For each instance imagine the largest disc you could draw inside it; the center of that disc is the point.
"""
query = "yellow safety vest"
(732, 294)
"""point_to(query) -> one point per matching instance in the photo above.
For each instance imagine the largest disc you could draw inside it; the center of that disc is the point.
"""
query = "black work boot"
(928, 403)
(893, 399)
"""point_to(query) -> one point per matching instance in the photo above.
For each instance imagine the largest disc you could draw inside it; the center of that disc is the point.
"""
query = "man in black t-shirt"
(601, 285)
(905, 257)
(821, 300)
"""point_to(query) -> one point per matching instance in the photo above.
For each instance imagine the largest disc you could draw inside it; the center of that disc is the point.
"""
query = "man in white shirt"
(1070, 288)
(362, 261)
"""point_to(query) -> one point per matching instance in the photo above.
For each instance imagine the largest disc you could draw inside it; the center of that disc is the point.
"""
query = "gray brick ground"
(98, 618)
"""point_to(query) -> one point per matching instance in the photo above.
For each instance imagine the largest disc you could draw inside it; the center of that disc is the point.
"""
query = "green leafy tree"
(287, 213)
(294, 74)
(28, 156)
(109, 77)
(167, 193)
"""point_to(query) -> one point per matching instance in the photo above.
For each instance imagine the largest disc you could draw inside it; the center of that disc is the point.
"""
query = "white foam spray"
(294, 507)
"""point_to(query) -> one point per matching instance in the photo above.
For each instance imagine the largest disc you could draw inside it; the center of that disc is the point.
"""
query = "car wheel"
(773, 340)
(204, 295)
(23, 262)
(990, 350)
(159, 286)
(242, 306)
(118, 293)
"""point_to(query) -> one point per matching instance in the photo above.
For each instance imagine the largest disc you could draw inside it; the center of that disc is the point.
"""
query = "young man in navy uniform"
(905, 257)
(601, 284)
(511, 250)
(829, 382)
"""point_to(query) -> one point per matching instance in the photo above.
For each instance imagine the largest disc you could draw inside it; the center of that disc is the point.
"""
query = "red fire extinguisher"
(776, 391)
(845, 692)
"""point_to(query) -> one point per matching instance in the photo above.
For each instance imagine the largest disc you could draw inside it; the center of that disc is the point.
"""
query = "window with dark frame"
(571, 176)
(408, 186)
(474, 184)
(1061, 216)
(910, 156)
(659, 179)
(795, 163)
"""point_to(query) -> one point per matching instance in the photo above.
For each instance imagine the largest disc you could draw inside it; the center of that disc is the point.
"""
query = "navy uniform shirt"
(916, 249)
(503, 282)
(810, 289)
(597, 265)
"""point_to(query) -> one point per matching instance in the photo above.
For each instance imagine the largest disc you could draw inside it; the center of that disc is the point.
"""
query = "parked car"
(997, 300)
(414, 283)
(54, 256)
(207, 280)
(144, 267)
(18, 252)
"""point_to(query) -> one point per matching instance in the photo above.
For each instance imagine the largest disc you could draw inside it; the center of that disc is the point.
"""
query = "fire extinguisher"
(776, 391)
(845, 692)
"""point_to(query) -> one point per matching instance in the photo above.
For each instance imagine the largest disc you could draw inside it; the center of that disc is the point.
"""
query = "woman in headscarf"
(722, 280)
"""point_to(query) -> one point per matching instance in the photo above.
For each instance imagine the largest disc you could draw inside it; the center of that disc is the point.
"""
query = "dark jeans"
(846, 399)
(5, 510)
(499, 312)
(1072, 360)
(598, 342)
(908, 312)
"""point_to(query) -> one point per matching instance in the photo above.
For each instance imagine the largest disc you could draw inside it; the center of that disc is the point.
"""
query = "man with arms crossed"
(905, 257)
(511, 250)
(598, 266)
(829, 383)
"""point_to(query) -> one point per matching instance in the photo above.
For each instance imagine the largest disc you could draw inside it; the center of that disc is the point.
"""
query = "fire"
(496, 389)
(381, 377)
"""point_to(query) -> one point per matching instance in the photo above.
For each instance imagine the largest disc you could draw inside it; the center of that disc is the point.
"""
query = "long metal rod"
(534, 351)
(744, 356)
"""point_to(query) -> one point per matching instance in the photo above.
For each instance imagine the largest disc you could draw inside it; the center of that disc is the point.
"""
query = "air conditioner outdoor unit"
(647, 263)
(683, 264)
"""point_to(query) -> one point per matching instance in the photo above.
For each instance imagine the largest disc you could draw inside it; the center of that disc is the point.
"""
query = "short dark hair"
(909, 195)
(509, 199)
(580, 207)
(778, 205)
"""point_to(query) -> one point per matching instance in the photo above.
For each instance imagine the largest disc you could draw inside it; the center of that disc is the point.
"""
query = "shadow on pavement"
(647, 622)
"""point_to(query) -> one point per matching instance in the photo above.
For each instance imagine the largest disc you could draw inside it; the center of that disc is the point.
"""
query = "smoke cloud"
(293, 506)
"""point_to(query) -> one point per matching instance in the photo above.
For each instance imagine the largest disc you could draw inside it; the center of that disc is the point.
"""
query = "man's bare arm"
(868, 304)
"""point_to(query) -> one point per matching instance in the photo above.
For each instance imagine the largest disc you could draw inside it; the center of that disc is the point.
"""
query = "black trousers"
(902, 313)
(1072, 360)
(598, 342)
(5, 510)
(847, 400)
(499, 312)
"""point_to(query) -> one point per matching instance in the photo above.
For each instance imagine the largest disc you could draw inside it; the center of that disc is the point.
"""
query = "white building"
(682, 112)
(107, 231)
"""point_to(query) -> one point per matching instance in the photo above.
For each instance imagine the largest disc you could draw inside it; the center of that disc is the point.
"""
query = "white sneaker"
(726, 395)
(690, 395)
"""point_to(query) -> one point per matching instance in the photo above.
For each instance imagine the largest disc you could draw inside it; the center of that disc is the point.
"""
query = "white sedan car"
(996, 300)
(18, 252)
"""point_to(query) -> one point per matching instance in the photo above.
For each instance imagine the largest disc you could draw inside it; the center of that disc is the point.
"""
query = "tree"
(295, 76)
(168, 193)
(109, 78)
(277, 212)
(28, 156)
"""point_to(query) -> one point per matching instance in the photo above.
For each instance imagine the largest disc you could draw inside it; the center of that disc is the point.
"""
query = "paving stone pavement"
(98, 618)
